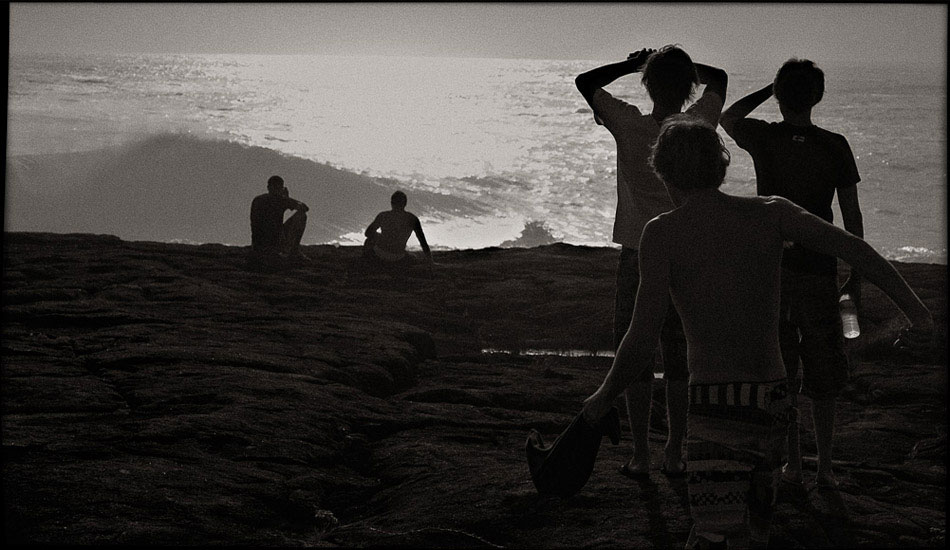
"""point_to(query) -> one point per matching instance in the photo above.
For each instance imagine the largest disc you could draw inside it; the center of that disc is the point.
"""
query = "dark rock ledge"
(162, 394)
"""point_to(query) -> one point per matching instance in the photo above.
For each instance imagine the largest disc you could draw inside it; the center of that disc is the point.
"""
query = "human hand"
(852, 287)
(917, 340)
(640, 56)
(595, 407)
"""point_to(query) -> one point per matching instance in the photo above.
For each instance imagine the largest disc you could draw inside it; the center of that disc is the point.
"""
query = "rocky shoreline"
(163, 394)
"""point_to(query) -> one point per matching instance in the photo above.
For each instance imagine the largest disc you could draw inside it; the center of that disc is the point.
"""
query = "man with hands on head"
(670, 78)
(807, 165)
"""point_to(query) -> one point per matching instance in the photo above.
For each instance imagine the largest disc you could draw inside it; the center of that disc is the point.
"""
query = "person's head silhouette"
(689, 154)
(799, 85)
(670, 76)
(399, 200)
(275, 185)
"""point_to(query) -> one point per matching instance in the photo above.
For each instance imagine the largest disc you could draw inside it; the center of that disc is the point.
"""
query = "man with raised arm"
(718, 258)
(807, 165)
(670, 78)
(273, 240)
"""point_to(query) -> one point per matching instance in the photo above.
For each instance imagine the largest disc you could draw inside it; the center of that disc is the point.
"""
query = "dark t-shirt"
(804, 164)
(267, 219)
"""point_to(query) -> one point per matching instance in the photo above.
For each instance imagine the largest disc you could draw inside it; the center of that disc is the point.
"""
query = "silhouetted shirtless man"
(719, 259)
(273, 240)
(387, 235)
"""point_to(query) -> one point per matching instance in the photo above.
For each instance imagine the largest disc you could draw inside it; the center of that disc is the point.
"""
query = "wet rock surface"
(164, 394)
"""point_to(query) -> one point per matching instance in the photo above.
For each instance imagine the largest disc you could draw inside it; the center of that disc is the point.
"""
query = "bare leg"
(677, 403)
(292, 233)
(793, 471)
(823, 412)
(639, 397)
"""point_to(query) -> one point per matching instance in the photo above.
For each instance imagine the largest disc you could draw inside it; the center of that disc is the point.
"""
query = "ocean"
(492, 152)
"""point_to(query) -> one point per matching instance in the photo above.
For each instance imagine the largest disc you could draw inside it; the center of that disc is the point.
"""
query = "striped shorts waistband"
(758, 395)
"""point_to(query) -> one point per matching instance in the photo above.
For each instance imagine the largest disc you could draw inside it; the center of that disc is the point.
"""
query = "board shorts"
(672, 349)
(735, 445)
(810, 331)
(387, 256)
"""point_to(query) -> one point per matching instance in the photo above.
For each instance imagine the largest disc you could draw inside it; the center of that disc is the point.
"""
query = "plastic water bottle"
(849, 317)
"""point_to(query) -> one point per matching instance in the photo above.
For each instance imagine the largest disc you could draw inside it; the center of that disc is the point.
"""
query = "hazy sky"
(863, 33)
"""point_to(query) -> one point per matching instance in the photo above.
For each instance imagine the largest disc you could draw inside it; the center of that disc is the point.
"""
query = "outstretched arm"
(422, 240)
(741, 109)
(715, 79)
(816, 234)
(637, 347)
(587, 83)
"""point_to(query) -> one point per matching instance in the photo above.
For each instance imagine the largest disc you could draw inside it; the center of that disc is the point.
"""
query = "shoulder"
(749, 133)
(770, 201)
(767, 206)
(604, 100)
(834, 138)
(755, 124)
(777, 206)
(708, 106)
(656, 231)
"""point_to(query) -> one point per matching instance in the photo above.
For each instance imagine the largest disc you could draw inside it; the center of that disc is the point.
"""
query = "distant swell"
(89, 79)
(183, 188)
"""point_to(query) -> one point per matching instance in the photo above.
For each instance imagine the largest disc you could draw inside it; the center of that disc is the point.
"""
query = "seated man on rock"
(385, 247)
(274, 242)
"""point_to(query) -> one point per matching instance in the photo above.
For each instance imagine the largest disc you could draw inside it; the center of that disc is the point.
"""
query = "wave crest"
(535, 233)
(176, 186)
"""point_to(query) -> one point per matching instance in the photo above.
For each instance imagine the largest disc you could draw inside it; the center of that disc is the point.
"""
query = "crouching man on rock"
(275, 243)
(719, 259)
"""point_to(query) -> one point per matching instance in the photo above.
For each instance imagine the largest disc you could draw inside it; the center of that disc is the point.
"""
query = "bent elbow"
(722, 76)
(721, 82)
(582, 82)
(727, 121)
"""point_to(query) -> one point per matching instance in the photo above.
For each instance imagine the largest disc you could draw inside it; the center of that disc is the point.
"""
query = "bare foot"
(791, 476)
(673, 468)
(636, 470)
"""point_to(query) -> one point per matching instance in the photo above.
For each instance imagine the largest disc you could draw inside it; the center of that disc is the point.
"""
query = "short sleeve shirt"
(641, 195)
(804, 164)
(267, 219)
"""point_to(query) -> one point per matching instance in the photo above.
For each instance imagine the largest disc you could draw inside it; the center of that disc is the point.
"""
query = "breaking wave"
(182, 188)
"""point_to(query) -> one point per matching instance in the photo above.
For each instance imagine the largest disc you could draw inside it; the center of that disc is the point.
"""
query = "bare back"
(724, 257)
(396, 227)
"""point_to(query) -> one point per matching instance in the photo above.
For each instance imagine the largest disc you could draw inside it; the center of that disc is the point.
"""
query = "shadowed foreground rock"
(162, 394)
